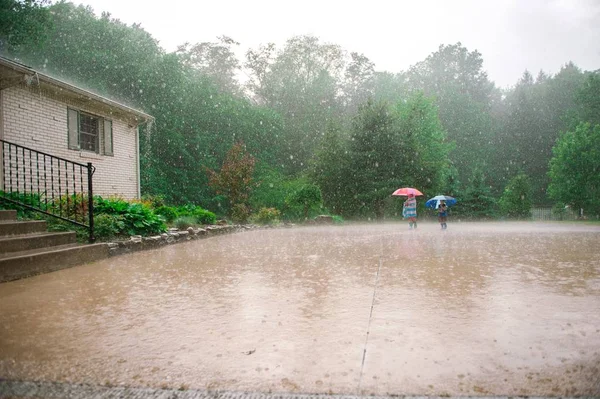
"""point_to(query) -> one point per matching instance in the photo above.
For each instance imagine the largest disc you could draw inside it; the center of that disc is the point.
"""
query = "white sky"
(512, 35)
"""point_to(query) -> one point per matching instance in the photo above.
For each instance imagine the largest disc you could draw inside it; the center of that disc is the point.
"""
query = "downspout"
(149, 123)
(2, 138)
(1, 114)
(137, 157)
(39, 86)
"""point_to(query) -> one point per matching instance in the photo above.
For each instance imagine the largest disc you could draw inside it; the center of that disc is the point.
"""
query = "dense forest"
(313, 124)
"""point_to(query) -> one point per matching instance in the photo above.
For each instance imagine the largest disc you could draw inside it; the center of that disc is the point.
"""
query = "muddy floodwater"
(479, 309)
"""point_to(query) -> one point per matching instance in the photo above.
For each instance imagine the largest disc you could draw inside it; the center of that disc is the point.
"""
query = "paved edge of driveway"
(52, 390)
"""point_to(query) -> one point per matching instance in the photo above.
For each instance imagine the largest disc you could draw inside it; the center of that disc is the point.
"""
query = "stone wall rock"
(173, 236)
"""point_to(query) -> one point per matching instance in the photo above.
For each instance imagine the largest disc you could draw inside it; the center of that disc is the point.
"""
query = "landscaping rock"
(173, 235)
(324, 219)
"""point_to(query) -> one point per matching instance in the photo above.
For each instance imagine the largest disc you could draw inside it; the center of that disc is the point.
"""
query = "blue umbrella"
(435, 201)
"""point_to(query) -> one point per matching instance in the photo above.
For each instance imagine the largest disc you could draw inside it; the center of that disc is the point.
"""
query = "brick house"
(45, 114)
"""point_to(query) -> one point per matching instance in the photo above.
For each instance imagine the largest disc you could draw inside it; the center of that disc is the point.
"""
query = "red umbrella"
(406, 191)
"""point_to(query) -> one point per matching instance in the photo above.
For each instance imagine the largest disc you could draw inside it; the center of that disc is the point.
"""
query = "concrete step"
(25, 242)
(8, 215)
(28, 263)
(11, 227)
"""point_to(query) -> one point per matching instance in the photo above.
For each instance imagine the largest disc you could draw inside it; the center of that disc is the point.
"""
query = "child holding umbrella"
(441, 203)
(443, 214)
(409, 211)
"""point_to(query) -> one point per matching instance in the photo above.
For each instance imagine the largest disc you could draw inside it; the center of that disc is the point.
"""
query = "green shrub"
(112, 217)
(201, 215)
(111, 206)
(137, 218)
(108, 226)
(274, 191)
(516, 200)
(140, 219)
(183, 222)
(154, 201)
(54, 224)
(267, 216)
(23, 212)
(167, 212)
(74, 207)
(477, 201)
(307, 197)
(204, 217)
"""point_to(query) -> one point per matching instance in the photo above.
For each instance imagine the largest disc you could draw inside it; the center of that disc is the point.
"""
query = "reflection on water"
(478, 309)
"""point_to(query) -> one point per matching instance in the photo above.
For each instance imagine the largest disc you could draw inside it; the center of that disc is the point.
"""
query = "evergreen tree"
(575, 168)
(516, 200)
(477, 201)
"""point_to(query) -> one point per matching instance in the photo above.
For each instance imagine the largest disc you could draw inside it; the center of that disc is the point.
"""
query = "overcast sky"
(512, 35)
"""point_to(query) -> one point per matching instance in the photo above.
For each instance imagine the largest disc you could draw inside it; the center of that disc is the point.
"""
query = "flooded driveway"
(480, 309)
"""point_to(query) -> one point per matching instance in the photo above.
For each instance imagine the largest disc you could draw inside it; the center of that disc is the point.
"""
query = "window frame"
(104, 138)
(96, 137)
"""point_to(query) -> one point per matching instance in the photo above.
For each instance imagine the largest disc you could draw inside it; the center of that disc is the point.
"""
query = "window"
(89, 132)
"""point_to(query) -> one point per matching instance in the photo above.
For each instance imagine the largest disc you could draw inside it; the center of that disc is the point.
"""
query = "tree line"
(311, 113)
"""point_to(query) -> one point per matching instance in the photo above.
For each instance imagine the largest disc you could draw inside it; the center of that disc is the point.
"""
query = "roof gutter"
(67, 86)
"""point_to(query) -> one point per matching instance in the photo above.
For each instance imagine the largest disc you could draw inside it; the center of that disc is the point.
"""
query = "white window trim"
(105, 127)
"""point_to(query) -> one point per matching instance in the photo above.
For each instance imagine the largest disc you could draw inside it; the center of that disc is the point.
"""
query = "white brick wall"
(39, 122)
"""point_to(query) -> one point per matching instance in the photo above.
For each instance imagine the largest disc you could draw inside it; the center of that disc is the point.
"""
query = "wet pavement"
(479, 309)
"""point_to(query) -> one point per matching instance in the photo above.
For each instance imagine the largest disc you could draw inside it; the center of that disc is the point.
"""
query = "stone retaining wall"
(173, 236)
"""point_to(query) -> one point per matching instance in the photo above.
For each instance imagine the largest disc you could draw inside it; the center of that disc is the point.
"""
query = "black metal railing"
(48, 184)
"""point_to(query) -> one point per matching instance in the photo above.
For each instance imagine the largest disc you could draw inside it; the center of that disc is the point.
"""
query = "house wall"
(37, 121)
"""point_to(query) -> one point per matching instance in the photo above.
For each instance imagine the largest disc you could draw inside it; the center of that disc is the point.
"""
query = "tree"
(516, 200)
(451, 184)
(216, 60)
(575, 168)
(196, 122)
(465, 96)
(422, 128)
(358, 82)
(394, 147)
(477, 201)
(534, 114)
(453, 69)
(330, 170)
(307, 197)
(390, 87)
(588, 99)
(301, 82)
(379, 158)
(234, 180)
(23, 23)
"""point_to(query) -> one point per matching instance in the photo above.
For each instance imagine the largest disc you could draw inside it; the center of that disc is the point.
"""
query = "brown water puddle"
(498, 308)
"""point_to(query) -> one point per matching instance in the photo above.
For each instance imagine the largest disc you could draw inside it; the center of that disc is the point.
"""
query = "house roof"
(13, 73)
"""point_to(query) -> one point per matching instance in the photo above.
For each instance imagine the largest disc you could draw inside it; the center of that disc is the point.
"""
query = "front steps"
(27, 249)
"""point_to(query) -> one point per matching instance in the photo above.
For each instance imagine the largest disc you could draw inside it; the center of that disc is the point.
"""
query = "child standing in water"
(409, 211)
(442, 214)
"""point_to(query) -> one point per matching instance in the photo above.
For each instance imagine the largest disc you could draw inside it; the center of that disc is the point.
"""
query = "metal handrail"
(48, 184)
